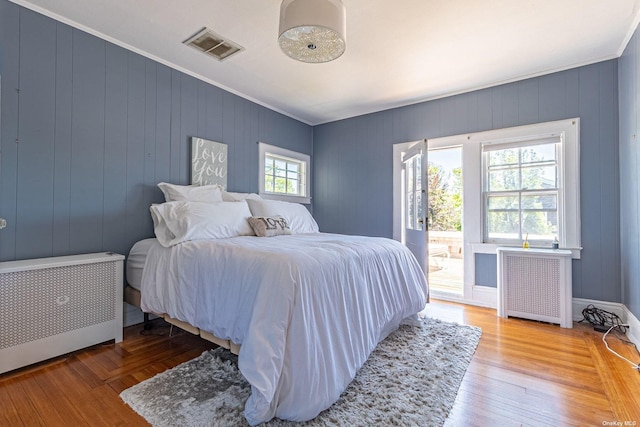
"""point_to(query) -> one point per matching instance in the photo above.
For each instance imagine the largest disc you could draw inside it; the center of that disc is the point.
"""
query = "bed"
(302, 309)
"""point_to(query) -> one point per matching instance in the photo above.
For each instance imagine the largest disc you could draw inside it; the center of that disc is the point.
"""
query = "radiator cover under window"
(535, 284)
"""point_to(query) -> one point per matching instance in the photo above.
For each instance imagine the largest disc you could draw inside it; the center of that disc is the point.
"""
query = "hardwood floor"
(523, 373)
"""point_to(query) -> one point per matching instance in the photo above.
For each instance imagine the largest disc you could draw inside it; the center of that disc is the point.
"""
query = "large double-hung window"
(521, 183)
(522, 189)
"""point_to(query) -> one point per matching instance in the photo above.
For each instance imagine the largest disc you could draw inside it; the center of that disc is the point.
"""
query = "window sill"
(490, 248)
(286, 198)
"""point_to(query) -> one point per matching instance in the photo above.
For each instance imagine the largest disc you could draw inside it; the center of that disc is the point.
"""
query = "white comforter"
(308, 309)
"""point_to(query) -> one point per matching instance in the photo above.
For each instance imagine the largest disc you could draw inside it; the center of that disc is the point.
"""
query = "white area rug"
(411, 379)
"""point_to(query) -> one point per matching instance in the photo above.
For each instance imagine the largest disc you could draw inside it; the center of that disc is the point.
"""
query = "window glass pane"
(410, 172)
(504, 180)
(503, 157)
(419, 211)
(280, 185)
(540, 225)
(268, 183)
(418, 173)
(292, 186)
(503, 225)
(539, 153)
(411, 218)
(281, 168)
(539, 177)
(503, 203)
(540, 201)
(293, 168)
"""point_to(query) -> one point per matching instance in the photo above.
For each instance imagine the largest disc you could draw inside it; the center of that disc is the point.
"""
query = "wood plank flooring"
(523, 373)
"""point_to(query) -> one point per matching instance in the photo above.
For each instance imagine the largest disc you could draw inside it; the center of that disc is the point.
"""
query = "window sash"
(519, 216)
(284, 175)
(299, 164)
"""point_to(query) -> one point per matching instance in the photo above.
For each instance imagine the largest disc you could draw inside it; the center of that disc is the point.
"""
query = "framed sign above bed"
(208, 162)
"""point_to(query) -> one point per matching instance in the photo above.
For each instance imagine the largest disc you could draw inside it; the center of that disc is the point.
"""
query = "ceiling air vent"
(213, 44)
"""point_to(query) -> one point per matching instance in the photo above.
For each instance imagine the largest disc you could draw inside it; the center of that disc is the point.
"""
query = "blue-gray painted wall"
(353, 160)
(629, 89)
(97, 128)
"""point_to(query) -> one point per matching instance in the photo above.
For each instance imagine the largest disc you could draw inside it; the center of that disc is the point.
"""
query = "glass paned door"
(414, 202)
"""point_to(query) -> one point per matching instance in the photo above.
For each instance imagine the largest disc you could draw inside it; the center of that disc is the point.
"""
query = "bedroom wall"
(629, 90)
(353, 160)
(95, 127)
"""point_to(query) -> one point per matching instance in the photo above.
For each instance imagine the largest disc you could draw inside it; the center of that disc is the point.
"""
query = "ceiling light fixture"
(313, 30)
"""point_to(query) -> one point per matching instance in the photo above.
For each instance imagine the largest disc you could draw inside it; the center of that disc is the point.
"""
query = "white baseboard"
(634, 326)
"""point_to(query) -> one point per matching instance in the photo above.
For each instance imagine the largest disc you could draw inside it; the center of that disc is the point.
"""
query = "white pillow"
(177, 222)
(297, 216)
(236, 197)
(191, 193)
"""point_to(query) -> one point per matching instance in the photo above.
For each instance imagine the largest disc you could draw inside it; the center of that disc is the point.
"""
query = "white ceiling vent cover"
(213, 44)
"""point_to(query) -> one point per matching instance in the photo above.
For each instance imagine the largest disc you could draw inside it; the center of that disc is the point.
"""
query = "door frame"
(472, 294)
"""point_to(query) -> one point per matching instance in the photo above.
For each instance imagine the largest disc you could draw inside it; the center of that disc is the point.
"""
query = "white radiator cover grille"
(535, 284)
(40, 303)
(52, 306)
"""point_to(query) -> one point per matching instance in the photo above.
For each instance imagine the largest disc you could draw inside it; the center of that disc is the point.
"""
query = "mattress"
(135, 262)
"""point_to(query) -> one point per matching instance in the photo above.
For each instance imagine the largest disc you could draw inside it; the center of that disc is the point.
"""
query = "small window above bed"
(284, 174)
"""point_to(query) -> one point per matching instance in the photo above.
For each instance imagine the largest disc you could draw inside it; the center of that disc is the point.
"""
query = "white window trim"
(263, 149)
(472, 187)
(473, 219)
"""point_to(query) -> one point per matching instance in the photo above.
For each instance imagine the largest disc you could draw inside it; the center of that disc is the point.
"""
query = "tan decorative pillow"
(269, 226)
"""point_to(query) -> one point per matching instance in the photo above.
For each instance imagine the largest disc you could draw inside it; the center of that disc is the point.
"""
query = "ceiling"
(398, 52)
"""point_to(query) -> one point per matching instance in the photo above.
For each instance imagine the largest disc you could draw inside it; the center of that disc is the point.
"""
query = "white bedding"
(136, 260)
(308, 309)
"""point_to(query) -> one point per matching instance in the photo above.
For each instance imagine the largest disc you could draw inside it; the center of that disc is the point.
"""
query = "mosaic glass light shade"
(313, 30)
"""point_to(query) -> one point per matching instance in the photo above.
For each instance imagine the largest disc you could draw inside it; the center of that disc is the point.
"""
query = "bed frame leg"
(147, 325)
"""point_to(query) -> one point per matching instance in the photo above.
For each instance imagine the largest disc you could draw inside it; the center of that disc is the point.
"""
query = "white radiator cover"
(535, 284)
(53, 306)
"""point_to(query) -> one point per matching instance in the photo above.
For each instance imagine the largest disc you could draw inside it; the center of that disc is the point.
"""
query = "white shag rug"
(410, 379)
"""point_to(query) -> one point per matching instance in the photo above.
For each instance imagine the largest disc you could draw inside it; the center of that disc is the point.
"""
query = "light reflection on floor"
(446, 274)
(447, 312)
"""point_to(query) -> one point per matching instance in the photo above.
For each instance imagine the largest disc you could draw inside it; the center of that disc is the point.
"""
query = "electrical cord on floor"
(604, 339)
(604, 321)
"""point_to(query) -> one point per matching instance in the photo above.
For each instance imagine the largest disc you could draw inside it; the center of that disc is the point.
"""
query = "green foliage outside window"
(445, 198)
